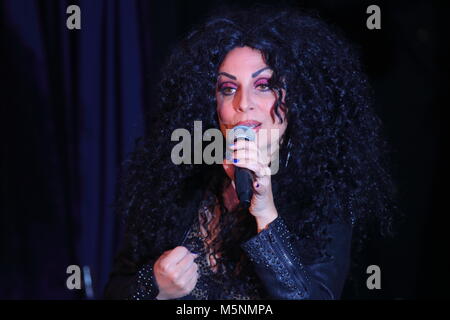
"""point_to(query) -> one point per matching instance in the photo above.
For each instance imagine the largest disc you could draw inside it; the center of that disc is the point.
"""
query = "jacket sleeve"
(279, 265)
(128, 281)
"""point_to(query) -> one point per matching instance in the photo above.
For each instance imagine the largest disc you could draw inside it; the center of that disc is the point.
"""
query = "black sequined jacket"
(277, 262)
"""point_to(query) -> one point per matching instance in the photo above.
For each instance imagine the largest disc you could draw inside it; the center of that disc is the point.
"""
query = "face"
(243, 94)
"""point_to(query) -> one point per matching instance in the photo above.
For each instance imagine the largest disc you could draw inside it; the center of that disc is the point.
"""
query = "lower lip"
(256, 129)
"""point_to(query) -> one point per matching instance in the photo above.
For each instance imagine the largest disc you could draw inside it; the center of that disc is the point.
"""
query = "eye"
(263, 84)
(226, 90)
(264, 87)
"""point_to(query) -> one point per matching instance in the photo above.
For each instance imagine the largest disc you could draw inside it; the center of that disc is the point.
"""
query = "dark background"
(73, 101)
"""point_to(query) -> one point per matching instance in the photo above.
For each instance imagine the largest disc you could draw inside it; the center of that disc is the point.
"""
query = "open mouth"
(250, 123)
(255, 127)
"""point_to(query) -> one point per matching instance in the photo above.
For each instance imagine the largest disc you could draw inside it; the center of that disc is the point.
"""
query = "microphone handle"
(244, 186)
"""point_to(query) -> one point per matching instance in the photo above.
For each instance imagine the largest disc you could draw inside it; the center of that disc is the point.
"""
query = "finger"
(186, 263)
(183, 279)
(259, 171)
(193, 280)
(244, 144)
(260, 185)
(192, 271)
(245, 155)
(177, 254)
(263, 156)
(165, 253)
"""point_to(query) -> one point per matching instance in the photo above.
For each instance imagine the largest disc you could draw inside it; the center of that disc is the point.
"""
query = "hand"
(175, 273)
(249, 156)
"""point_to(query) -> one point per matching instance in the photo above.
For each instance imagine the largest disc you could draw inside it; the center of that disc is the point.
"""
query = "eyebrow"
(253, 74)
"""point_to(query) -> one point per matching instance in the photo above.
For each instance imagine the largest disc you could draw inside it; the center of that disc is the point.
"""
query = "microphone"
(243, 178)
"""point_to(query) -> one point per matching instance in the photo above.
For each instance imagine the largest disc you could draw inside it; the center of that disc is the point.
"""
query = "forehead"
(242, 59)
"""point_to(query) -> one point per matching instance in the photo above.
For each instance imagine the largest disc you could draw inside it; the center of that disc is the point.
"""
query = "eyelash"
(222, 88)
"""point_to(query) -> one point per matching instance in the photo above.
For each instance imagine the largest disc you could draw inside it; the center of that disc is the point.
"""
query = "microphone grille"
(241, 132)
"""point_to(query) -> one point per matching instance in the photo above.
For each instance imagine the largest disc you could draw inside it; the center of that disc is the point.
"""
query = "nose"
(244, 101)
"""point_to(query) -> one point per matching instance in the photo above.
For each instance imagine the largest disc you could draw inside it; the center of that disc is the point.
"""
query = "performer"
(186, 235)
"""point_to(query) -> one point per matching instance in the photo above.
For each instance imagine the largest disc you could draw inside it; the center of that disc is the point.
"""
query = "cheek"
(225, 112)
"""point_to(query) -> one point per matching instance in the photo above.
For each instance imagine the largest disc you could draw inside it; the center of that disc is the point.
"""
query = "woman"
(187, 236)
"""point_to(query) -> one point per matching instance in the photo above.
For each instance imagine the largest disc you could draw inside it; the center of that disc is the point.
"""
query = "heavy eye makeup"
(228, 88)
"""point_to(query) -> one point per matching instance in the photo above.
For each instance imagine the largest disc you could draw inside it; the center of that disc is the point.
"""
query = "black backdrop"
(73, 101)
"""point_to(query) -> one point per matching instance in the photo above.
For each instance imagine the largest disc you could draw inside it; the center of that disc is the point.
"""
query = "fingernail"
(235, 160)
(257, 185)
(231, 145)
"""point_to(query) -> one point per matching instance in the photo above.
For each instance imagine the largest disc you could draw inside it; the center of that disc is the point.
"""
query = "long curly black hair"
(337, 168)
